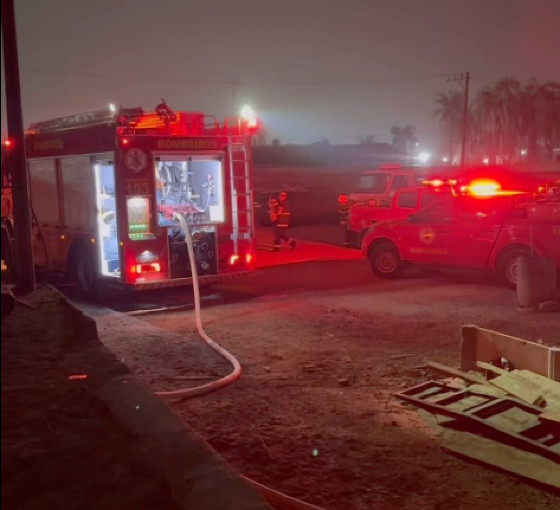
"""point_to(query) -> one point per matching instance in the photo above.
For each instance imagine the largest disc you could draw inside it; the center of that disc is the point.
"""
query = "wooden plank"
(551, 419)
(549, 389)
(486, 345)
(526, 385)
(488, 367)
(527, 465)
(444, 369)
(517, 388)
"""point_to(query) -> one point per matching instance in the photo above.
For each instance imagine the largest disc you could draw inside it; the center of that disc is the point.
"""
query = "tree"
(508, 119)
(260, 137)
(547, 116)
(404, 138)
(450, 113)
(366, 140)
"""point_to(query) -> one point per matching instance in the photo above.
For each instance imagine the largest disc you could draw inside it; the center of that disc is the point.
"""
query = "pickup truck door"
(427, 235)
(477, 225)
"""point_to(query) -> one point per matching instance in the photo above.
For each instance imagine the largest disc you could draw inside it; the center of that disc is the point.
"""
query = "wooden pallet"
(506, 420)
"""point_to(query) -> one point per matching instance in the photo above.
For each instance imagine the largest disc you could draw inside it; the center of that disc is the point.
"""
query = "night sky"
(311, 68)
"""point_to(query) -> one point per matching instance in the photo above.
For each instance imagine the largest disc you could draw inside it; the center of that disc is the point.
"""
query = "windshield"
(373, 183)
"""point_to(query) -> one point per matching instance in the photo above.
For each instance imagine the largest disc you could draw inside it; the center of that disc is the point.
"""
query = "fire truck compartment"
(191, 186)
(205, 252)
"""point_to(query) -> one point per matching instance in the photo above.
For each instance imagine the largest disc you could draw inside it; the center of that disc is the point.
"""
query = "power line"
(115, 75)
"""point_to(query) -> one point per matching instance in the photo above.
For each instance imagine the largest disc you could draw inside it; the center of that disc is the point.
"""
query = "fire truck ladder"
(241, 192)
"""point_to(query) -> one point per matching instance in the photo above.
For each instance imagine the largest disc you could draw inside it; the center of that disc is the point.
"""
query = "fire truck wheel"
(508, 268)
(385, 260)
(7, 249)
(84, 272)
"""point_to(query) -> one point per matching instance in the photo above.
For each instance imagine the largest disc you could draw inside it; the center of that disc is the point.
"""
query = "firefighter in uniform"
(281, 216)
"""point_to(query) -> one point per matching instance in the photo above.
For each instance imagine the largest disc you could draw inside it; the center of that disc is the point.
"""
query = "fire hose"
(272, 496)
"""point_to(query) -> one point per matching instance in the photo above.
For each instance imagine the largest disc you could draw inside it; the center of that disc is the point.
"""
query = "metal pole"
(23, 255)
(465, 121)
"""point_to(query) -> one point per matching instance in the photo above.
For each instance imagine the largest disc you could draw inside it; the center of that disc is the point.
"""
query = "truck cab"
(404, 202)
(375, 187)
(470, 232)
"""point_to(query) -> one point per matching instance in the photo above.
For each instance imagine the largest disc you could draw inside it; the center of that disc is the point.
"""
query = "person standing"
(282, 224)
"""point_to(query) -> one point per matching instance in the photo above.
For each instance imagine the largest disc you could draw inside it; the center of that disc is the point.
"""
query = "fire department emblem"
(136, 160)
(427, 235)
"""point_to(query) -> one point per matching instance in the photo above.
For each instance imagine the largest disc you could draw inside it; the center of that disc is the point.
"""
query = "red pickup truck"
(468, 231)
(404, 202)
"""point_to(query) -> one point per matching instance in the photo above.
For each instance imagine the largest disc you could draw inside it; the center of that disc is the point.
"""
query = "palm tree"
(497, 119)
(548, 115)
(450, 113)
(508, 107)
(404, 138)
(506, 119)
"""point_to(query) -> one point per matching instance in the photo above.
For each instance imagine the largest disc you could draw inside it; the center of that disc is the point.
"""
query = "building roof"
(323, 154)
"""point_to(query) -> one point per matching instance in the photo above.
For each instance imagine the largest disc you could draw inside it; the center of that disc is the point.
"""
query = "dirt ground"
(61, 449)
(292, 422)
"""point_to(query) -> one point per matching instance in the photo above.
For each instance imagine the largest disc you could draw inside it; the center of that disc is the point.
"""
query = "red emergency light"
(7, 143)
(483, 187)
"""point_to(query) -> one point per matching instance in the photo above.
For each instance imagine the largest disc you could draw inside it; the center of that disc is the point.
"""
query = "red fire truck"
(106, 188)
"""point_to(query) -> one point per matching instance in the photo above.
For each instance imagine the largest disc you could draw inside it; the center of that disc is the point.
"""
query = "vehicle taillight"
(436, 183)
(343, 199)
(153, 267)
(233, 259)
(248, 258)
(7, 143)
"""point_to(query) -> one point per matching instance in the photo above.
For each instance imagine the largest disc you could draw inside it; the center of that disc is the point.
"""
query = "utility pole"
(465, 124)
(23, 255)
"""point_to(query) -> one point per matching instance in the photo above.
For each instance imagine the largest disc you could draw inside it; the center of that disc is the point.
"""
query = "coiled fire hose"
(274, 497)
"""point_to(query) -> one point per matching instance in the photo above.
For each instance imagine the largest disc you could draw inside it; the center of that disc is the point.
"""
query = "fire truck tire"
(7, 248)
(385, 260)
(84, 271)
(508, 267)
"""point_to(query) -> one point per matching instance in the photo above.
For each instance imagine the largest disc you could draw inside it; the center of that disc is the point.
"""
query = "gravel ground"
(314, 414)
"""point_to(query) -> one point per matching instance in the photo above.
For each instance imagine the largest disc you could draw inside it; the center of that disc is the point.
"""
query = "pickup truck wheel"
(508, 267)
(385, 261)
